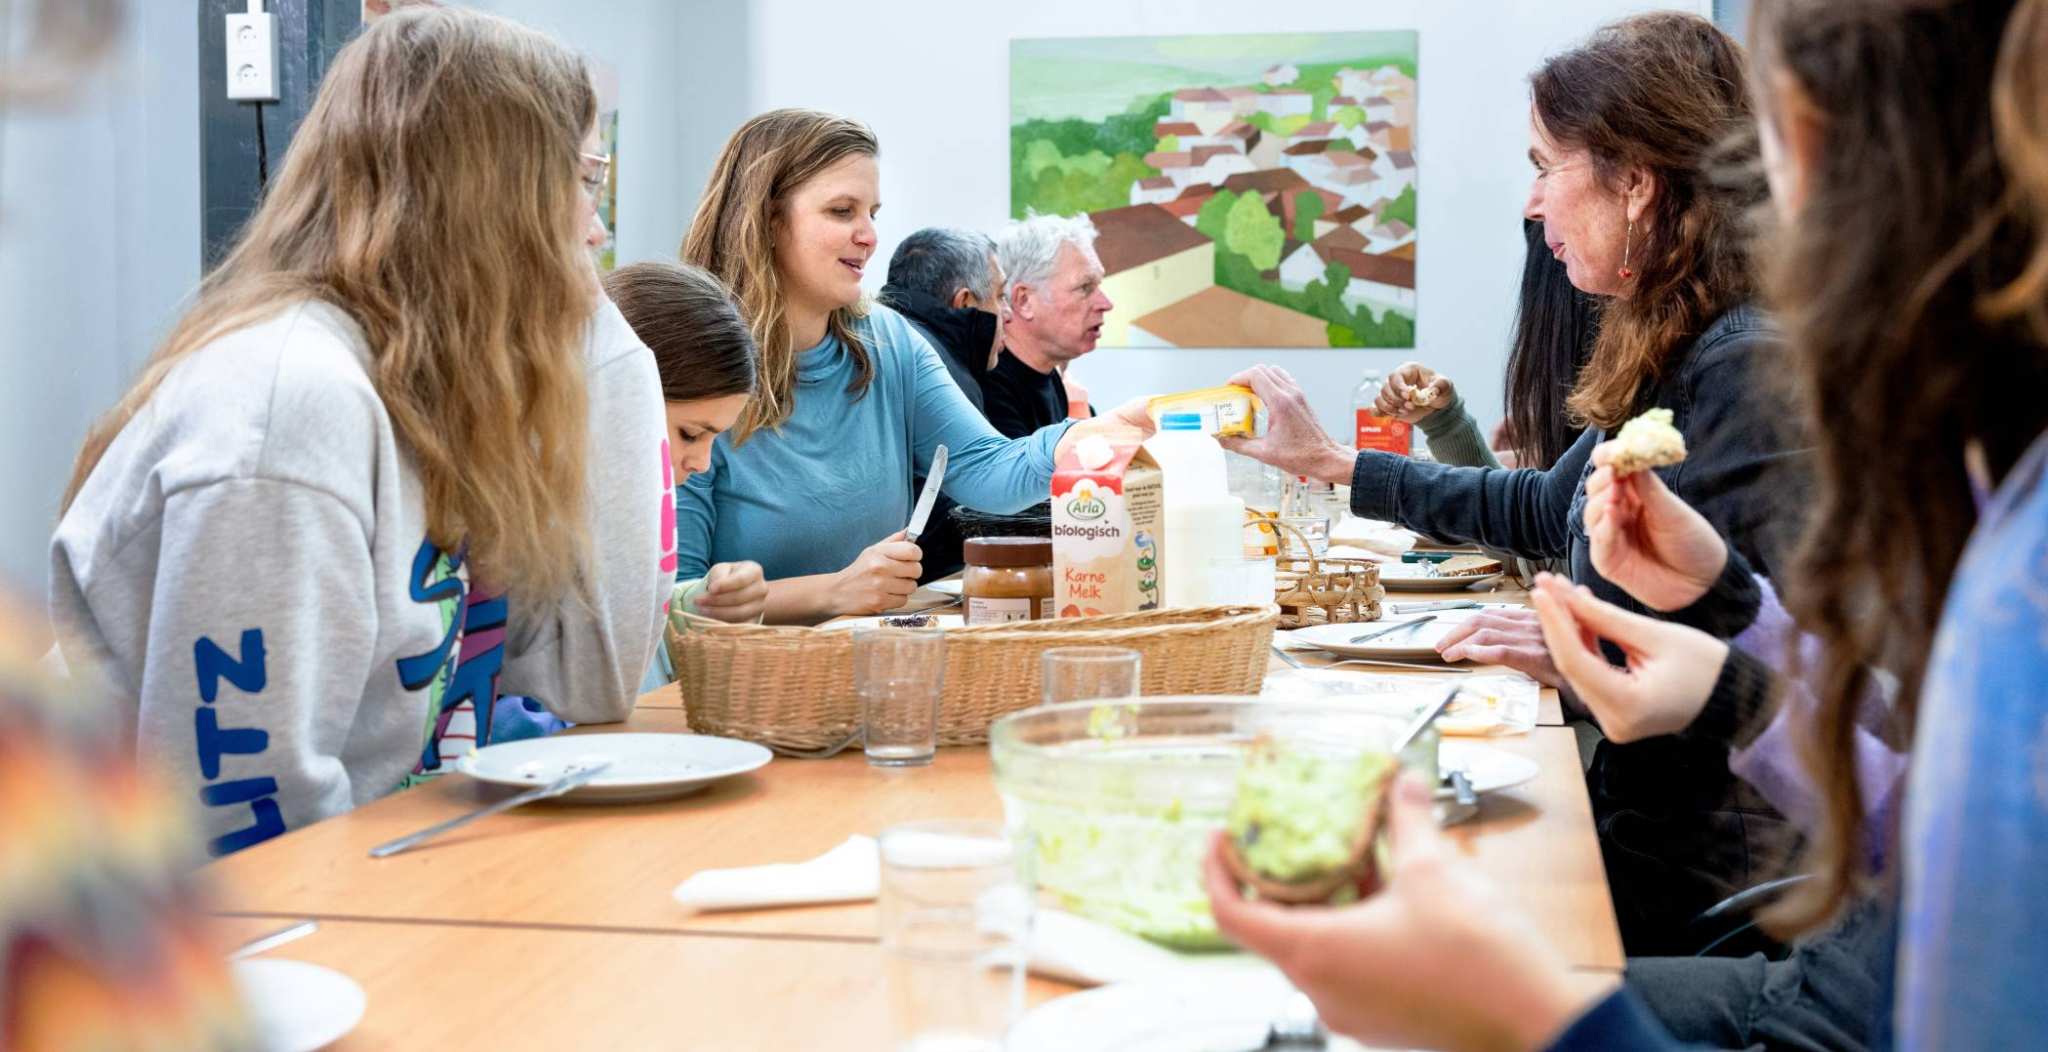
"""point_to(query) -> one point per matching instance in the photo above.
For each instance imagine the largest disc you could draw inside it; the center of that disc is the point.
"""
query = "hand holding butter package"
(1107, 519)
(1226, 411)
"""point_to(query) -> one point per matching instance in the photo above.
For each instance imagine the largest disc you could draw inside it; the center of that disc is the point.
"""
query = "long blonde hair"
(733, 237)
(433, 195)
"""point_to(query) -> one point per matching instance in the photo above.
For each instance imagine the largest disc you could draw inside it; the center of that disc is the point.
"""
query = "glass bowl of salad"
(1122, 797)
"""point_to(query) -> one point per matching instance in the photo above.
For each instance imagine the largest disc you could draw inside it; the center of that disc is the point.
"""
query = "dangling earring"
(1627, 244)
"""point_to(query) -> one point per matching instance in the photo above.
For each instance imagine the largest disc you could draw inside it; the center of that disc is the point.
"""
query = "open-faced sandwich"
(1302, 827)
(1422, 396)
(1648, 441)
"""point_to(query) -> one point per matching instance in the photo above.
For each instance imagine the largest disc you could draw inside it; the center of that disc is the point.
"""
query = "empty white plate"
(643, 766)
(1416, 644)
(1221, 1008)
(298, 1007)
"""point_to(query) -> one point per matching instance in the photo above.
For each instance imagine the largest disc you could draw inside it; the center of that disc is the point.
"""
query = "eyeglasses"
(597, 170)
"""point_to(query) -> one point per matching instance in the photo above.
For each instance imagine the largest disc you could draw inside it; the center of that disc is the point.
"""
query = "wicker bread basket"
(792, 688)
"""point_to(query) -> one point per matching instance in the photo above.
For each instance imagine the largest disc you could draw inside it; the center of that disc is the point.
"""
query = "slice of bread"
(1468, 566)
(1648, 441)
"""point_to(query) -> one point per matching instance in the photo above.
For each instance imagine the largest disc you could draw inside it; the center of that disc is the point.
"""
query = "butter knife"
(267, 943)
(930, 496)
(1391, 629)
(552, 789)
(1397, 609)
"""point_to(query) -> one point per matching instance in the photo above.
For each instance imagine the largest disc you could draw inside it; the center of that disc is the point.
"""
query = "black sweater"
(1667, 807)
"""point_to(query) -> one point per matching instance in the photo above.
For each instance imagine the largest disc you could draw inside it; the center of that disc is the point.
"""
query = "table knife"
(930, 496)
(555, 788)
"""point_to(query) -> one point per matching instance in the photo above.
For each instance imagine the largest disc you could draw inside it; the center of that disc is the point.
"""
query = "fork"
(825, 753)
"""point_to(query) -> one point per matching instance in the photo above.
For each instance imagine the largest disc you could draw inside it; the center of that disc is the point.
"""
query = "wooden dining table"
(554, 926)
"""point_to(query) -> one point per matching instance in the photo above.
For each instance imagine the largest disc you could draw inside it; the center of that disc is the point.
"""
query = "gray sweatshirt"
(249, 565)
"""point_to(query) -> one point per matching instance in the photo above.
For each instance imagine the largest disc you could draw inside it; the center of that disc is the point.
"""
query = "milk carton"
(1107, 520)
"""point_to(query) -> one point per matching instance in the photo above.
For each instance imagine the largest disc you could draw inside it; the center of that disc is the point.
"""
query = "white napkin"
(1075, 949)
(1373, 535)
(850, 872)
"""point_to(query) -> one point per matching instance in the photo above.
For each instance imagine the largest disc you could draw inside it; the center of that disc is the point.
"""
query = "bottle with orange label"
(1373, 431)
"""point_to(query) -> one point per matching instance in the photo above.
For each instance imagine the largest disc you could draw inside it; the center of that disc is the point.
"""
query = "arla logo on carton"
(1106, 519)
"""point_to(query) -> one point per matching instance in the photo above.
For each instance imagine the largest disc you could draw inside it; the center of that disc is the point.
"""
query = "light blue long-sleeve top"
(807, 497)
(1973, 935)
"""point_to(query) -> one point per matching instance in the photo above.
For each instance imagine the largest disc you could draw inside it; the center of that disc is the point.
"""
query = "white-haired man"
(1056, 311)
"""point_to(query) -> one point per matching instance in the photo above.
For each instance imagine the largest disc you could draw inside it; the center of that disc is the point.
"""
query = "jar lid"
(1007, 551)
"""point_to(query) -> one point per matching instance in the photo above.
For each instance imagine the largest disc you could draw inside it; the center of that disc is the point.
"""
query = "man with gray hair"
(1056, 311)
(948, 284)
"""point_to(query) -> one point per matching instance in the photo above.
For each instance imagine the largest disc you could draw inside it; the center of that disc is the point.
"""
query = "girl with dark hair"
(707, 362)
(1622, 129)
(1911, 272)
(1554, 327)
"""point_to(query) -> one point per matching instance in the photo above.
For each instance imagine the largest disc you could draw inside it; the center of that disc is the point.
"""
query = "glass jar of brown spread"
(1007, 579)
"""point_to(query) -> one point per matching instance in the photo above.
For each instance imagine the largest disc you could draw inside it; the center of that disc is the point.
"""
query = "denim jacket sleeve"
(1518, 510)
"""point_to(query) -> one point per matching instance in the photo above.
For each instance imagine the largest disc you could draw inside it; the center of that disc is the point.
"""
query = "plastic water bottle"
(1204, 523)
(1374, 431)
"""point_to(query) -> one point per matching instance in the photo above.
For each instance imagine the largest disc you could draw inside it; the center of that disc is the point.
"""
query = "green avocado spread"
(1298, 813)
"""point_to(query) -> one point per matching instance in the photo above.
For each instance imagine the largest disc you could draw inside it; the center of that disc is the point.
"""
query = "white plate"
(298, 1007)
(1490, 769)
(1198, 1008)
(1399, 582)
(950, 586)
(643, 766)
(1415, 644)
(945, 622)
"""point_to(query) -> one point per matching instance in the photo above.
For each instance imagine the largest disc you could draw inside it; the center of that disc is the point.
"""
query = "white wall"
(932, 79)
(681, 69)
(99, 242)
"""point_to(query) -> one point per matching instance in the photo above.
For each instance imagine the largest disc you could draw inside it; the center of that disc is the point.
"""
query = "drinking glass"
(956, 905)
(1088, 673)
(899, 674)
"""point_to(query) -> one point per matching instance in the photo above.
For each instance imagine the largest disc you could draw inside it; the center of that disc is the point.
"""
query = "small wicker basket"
(792, 688)
(1316, 589)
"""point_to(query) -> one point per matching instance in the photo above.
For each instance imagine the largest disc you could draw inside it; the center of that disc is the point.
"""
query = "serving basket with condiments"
(792, 688)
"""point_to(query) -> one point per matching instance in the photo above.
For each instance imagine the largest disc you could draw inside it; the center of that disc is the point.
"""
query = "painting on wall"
(1249, 190)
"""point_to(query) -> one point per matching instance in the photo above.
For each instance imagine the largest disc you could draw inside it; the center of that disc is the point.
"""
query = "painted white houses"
(1376, 281)
(1206, 108)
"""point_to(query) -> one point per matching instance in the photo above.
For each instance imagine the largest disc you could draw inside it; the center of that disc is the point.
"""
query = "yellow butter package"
(1227, 410)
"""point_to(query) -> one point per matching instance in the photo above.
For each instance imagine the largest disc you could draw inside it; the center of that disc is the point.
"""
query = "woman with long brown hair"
(1622, 130)
(399, 454)
(814, 481)
(1924, 127)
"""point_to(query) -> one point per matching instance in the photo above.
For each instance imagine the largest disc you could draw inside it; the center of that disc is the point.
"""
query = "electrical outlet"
(252, 57)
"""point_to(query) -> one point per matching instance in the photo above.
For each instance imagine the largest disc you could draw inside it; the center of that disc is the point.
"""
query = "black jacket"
(962, 337)
(1678, 830)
